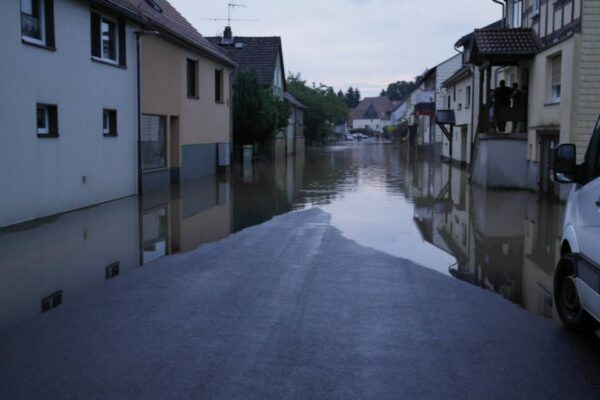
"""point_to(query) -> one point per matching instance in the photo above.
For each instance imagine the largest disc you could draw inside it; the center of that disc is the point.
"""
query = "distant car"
(350, 137)
(577, 276)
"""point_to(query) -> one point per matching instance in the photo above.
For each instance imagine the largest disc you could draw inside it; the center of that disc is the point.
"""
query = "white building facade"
(69, 108)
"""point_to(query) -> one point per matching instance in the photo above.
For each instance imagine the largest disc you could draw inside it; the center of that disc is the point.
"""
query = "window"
(37, 22)
(536, 7)
(517, 13)
(154, 142)
(109, 122)
(52, 301)
(556, 77)
(192, 78)
(47, 120)
(468, 97)
(108, 39)
(449, 102)
(113, 270)
(219, 86)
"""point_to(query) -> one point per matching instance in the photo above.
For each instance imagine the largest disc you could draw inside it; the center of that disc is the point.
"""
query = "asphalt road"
(293, 310)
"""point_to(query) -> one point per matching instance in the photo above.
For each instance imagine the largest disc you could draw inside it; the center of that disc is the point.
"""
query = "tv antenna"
(230, 7)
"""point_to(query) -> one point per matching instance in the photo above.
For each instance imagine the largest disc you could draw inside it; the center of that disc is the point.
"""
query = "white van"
(577, 277)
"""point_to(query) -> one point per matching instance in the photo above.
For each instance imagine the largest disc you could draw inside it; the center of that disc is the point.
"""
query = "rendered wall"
(41, 177)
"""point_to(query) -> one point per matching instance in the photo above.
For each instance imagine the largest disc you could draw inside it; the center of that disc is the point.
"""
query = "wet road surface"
(293, 310)
(321, 305)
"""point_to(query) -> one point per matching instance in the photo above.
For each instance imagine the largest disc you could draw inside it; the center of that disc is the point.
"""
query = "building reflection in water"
(504, 241)
(382, 196)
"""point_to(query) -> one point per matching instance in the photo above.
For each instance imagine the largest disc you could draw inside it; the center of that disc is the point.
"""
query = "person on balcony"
(516, 105)
(502, 98)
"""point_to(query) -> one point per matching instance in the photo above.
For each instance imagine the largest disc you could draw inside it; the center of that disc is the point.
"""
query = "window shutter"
(113, 123)
(95, 34)
(49, 22)
(122, 43)
(53, 120)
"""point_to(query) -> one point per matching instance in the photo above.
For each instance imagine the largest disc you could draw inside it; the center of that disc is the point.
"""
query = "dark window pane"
(42, 118)
(192, 81)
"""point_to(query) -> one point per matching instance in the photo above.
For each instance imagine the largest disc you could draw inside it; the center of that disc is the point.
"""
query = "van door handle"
(598, 202)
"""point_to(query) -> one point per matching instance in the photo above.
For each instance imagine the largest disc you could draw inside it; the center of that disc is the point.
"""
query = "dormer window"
(155, 6)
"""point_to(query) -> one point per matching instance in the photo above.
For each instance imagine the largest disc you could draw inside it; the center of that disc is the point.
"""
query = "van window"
(593, 154)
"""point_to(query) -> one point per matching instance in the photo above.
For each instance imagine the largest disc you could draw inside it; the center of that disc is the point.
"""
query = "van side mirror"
(564, 164)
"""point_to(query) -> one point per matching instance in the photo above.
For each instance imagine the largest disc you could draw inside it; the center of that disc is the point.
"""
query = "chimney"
(228, 35)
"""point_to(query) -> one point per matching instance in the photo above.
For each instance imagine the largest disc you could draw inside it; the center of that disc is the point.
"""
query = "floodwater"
(392, 198)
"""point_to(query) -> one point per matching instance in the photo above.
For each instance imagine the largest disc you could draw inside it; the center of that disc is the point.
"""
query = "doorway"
(548, 142)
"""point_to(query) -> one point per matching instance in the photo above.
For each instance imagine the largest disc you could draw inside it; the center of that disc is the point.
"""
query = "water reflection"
(393, 199)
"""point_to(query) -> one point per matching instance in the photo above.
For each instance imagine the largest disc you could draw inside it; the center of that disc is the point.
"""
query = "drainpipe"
(504, 7)
(138, 35)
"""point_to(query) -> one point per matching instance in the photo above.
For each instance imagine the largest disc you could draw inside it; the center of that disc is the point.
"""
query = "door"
(464, 134)
(547, 144)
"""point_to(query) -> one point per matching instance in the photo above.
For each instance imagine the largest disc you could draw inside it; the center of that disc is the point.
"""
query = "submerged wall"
(501, 162)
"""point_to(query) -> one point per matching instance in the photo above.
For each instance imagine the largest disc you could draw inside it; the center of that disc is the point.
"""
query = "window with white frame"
(37, 22)
(47, 120)
(555, 78)
(108, 39)
(536, 6)
(517, 13)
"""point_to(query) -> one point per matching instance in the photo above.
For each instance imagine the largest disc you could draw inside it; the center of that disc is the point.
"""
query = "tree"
(325, 107)
(352, 97)
(257, 114)
(398, 91)
(383, 93)
(340, 94)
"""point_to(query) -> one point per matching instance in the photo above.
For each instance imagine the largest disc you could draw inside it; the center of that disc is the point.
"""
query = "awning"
(503, 47)
(425, 109)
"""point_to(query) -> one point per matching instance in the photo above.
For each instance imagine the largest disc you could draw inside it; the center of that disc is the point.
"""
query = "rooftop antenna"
(230, 7)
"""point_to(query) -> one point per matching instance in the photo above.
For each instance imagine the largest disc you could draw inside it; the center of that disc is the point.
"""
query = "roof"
(294, 101)
(503, 44)
(167, 19)
(257, 54)
(466, 40)
(422, 78)
(382, 105)
(463, 73)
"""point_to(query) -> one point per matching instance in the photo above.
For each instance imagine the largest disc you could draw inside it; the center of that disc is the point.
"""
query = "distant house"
(428, 97)
(374, 113)
(263, 55)
(185, 100)
(295, 130)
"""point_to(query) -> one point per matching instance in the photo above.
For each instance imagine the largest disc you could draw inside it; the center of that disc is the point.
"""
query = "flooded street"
(396, 200)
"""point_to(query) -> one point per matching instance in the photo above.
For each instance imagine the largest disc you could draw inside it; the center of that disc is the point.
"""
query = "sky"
(361, 43)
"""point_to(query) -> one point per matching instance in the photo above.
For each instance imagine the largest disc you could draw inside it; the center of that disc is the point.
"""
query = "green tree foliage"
(398, 91)
(383, 93)
(325, 108)
(257, 114)
(352, 97)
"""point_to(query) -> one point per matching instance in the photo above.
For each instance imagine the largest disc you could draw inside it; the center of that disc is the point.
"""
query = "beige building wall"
(164, 91)
(543, 113)
(588, 74)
